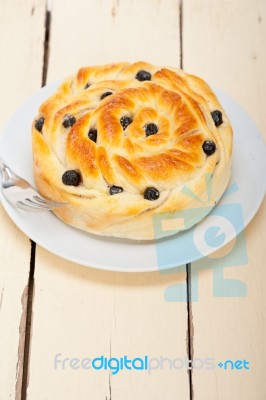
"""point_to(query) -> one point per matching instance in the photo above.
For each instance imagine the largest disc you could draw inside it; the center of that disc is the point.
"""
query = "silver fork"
(20, 194)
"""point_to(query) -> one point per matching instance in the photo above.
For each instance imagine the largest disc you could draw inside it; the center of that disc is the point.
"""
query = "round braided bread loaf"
(121, 143)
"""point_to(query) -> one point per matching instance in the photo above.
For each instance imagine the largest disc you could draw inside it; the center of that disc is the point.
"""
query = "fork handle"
(2, 164)
(6, 171)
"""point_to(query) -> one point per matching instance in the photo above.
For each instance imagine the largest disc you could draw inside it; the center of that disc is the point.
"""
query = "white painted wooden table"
(50, 306)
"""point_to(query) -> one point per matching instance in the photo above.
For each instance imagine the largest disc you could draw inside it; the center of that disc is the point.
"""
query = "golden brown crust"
(170, 160)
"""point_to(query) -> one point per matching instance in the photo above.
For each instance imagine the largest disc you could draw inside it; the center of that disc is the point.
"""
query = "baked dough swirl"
(122, 143)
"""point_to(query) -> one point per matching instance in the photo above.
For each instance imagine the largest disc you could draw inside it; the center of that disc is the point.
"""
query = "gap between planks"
(26, 357)
(190, 328)
(190, 331)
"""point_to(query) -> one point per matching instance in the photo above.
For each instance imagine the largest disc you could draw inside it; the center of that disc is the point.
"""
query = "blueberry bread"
(122, 143)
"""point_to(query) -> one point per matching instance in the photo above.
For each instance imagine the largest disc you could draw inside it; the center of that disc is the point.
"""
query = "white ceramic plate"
(246, 190)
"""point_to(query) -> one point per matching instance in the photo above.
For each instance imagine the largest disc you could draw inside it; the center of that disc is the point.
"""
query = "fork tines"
(38, 203)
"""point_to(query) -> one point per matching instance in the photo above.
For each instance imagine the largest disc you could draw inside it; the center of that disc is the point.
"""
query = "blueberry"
(105, 94)
(115, 189)
(151, 194)
(217, 117)
(143, 75)
(39, 124)
(209, 147)
(125, 121)
(71, 178)
(150, 129)
(68, 120)
(87, 85)
(93, 135)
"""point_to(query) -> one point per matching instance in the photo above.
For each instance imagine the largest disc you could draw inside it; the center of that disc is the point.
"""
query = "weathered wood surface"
(21, 49)
(80, 312)
(224, 42)
(83, 312)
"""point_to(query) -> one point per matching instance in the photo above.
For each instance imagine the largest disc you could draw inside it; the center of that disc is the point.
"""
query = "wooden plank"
(20, 75)
(81, 312)
(224, 42)
(112, 31)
